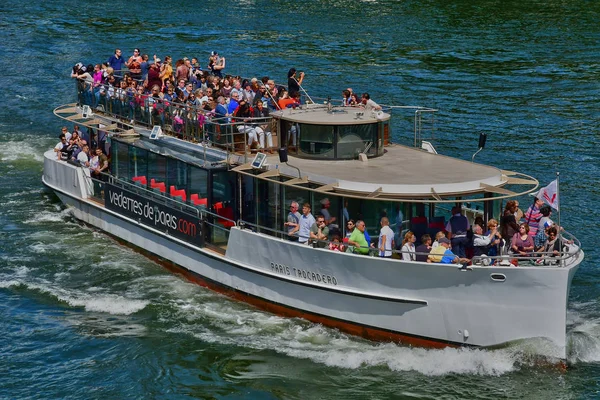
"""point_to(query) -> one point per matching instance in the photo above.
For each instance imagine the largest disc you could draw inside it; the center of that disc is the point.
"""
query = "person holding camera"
(293, 82)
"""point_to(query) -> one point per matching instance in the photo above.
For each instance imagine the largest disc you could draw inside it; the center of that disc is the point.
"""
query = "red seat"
(225, 212)
(141, 179)
(198, 201)
(158, 185)
(178, 193)
(418, 220)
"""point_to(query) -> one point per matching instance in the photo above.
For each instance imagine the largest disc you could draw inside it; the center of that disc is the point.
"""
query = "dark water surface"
(83, 317)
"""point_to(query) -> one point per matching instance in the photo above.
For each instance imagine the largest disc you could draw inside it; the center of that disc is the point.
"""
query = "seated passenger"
(336, 244)
(242, 115)
(319, 232)
(438, 236)
(497, 240)
(61, 147)
(442, 254)
(553, 246)
(422, 250)
(285, 101)
(263, 129)
(481, 242)
(522, 242)
(358, 240)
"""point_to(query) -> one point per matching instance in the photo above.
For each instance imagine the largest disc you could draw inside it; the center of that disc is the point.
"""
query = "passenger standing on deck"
(508, 222)
(144, 67)
(369, 104)
(82, 157)
(294, 85)
(293, 222)
(116, 62)
(325, 204)
(154, 74)
(306, 221)
(216, 64)
(166, 71)
(99, 164)
(457, 228)
(533, 216)
(183, 70)
(319, 232)
(134, 64)
(386, 238)
(358, 240)
(408, 246)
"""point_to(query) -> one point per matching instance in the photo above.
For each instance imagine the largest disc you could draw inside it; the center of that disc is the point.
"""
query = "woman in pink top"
(522, 242)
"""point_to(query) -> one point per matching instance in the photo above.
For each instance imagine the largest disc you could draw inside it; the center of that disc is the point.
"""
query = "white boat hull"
(415, 303)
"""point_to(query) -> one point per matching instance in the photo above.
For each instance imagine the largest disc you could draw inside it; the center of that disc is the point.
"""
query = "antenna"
(482, 140)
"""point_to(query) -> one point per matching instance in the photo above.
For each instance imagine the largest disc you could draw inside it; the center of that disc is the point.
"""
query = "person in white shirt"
(82, 157)
(386, 238)
(408, 247)
(369, 104)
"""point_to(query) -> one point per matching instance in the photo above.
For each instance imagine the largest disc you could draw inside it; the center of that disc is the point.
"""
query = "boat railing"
(175, 202)
(188, 122)
(537, 259)
(423, 117)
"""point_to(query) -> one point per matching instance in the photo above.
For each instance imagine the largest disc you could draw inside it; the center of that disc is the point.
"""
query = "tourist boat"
(202, 203)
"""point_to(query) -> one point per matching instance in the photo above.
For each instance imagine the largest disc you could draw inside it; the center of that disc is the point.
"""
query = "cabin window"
(224, 205)
(354, 139)
(297, 194)
(120, 160)
(317, 140)
(198, 184)
(176, 174)
(268, 208)
(248, 202)
(138, 159)
(157, 169)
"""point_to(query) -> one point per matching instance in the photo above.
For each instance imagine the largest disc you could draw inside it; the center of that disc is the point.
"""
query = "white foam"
(111, 304)
(20, 150)
(9, 283)
(48, 216)
(227, 322)
(584, 342)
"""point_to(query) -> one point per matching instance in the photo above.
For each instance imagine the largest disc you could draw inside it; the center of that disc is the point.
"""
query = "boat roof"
(319, 114)
(401, 173)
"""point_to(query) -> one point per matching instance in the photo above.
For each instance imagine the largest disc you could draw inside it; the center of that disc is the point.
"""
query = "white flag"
(549, 194)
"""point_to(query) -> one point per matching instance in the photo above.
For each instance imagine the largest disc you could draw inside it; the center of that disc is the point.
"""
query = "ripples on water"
(85, 317)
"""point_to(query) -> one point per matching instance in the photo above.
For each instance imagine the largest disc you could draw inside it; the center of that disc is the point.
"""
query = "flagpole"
(559, 238)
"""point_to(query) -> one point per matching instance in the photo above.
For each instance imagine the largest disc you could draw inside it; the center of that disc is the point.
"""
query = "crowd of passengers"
(137, 87)
(74, 148)
(530, 237)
